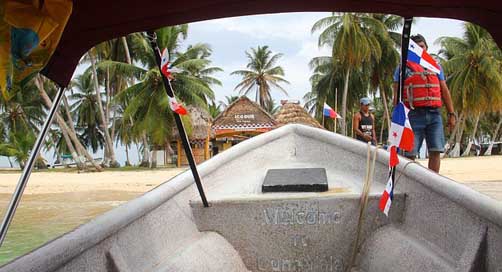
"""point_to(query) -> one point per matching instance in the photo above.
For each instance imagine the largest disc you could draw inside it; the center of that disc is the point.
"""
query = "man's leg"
(434, 161)
(435, 139)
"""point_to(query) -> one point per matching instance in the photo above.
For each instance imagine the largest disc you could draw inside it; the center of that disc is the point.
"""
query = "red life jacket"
(423, 88)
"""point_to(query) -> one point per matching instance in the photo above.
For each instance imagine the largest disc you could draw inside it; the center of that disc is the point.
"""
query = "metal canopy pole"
(405, 42)
(152, 36)
(23, 180)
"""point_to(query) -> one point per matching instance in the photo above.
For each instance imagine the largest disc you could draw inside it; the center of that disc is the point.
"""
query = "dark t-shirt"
(366, 126)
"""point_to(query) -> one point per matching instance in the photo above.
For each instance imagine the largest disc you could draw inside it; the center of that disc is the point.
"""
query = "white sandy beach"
(63, 182)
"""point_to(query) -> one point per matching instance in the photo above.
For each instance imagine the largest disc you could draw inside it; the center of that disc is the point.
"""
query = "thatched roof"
(243, 114)
(292, 112)
(200, 121)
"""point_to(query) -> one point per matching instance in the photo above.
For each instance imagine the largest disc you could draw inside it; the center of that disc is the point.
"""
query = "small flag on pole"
(387, 196)
(418, 55)
(176, 106)
(328, 111)
(164, 64)
(400, 134)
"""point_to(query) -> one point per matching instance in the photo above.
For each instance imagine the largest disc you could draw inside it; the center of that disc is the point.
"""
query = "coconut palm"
(328, 77)
(147, 100)
(353, 38)
(382, 68)
(214, 109)
(261, 75)
(472, 64)
(87, 112)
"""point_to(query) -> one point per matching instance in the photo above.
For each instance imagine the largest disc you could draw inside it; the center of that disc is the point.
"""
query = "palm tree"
(103, 117)
(214, 109)
(382, 69)
(494, 135)
(148, 101)
(353, 38)
(70, 136)
(87, 112)
(327, 78)
(273, 107)
(261, 75)
(472, 64)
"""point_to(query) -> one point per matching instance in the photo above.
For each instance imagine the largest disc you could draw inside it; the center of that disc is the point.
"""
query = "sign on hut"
(241, 120)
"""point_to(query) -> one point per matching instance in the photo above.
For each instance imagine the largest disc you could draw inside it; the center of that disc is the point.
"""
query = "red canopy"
(94, 21)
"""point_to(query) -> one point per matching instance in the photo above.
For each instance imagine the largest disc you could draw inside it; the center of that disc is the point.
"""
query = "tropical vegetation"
(119, 100)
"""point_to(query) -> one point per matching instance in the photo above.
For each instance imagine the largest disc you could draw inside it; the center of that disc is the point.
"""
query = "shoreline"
(483, 174)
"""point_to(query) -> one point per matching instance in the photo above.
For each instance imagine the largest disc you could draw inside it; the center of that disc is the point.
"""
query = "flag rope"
(363, 202)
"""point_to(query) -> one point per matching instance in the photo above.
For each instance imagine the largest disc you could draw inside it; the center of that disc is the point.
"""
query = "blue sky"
(288, 34)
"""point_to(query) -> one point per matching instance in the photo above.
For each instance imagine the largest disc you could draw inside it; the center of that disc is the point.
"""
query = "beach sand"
(72, 182)
(483, 174)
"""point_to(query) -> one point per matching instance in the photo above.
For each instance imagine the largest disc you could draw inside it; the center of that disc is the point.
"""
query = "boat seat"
(209, 253)
(392, 249)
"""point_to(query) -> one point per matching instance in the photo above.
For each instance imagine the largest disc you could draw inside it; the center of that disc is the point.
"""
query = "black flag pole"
(152, 37)
(405, 42)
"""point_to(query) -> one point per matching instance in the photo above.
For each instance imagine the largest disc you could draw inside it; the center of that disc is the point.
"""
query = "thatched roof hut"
(199, 136)
(243, 115)
(200, 121)
(292, 112)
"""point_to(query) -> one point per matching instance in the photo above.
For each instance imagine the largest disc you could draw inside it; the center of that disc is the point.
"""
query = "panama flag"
(388, 195)
(175, 106)
(418, 55)
(328, 111)
(164, 64)
(400, 134)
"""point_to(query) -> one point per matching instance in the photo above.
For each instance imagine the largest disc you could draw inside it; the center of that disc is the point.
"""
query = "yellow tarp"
(29, 34)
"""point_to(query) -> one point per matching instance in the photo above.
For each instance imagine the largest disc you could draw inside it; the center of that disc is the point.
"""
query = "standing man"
(422, 94)
(363, 123)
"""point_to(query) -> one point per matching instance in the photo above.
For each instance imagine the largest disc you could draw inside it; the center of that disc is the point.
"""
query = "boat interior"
(434, 223)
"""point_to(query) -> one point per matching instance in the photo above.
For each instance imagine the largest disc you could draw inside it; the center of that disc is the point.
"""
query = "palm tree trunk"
(104, 123)
(59, 120)
(458, 137)
(128, 162)
(145, 162)
(494, 136)
(10, 162)
(473, 135)
(126, 49)
(456, 129)
(344, 101)
(72, 128)
(154, 159)
(65, 129)
(385, 105)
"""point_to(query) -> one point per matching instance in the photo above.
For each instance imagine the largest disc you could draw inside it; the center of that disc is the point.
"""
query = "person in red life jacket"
(424, 93)
(363, 123)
